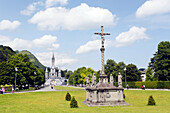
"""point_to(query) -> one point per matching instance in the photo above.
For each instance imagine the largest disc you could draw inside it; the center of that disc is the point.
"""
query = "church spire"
(53, 60)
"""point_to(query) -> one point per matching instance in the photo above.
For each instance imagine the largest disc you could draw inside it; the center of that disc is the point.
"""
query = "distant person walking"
(127, 86)
(3, 90)
(143, 87)
(12, 89)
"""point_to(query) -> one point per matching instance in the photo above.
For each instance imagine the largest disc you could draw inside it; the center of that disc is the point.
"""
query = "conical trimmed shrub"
(68, 96)
(151, 101)
(73, 103)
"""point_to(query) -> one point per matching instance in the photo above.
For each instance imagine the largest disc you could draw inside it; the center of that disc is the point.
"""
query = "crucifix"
(102, 49)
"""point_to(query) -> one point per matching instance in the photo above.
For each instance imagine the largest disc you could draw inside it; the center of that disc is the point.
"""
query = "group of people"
(3, 90)
(143, 87)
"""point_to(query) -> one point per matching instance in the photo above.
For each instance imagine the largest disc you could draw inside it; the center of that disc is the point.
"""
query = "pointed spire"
(46, 70)
(53, 55)
(53, 60)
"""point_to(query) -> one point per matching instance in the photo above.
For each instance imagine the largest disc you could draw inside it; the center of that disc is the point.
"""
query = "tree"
(149, 73)
(151, 101)
(132, 73)
(160, 63)
(79, 75)
(110, 68)
(68, 97)
(68, 74)
(25, 73)
(73, 103)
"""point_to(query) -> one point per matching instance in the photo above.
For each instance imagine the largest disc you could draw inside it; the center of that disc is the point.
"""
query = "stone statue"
(87, 80)
(120, 80)
(94, 79)
(111, 79)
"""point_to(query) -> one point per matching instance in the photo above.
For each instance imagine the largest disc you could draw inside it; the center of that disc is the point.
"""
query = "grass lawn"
(65, 88)
(53, 102)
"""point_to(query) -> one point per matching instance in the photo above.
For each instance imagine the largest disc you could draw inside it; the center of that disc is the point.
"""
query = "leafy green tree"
(110, 68)
(132, 73)
(68, 97)
(149, 73)
(68, 73)
(25, 74)
(79, 75)
(73, 103)
(160, 63)
(151, 101)
(119, 68)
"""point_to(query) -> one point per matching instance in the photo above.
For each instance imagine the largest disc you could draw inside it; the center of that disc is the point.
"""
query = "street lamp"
(125, 77)
(34, 78)
(15, 77)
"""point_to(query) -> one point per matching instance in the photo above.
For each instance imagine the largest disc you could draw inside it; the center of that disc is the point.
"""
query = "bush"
(151, 101)
(68, 96)
(73, 103)
(148, 84)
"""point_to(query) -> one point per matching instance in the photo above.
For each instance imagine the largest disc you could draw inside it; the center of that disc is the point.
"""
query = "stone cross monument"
(103, 77)
(103, 93)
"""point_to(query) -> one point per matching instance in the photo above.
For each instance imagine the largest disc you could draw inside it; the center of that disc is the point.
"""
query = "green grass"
(66, 88)
(54, 102)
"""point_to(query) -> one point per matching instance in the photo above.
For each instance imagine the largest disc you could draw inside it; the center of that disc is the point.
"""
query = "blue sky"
(66, 27)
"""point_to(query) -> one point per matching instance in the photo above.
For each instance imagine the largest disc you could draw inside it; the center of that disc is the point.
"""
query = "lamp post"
(34, 78)
(125, 77)
(15, 77)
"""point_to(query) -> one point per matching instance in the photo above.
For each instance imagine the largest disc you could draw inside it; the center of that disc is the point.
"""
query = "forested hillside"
(33, 59)
(5, 53)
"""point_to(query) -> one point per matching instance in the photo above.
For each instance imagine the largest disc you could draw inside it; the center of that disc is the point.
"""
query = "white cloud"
(31, 8)
(92, 46)
(7, 25)
(123, 39)
(19, 43)
(127, 38)
(153, 7)
(78, 18)
(4, 39)
(50, 3)
(61, 60)
(46, 42)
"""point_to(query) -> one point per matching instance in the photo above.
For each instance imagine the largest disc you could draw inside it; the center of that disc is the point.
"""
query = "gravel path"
(83, 88)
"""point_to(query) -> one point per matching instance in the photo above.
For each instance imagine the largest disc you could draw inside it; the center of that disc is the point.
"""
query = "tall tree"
(160, 63)
(132, 73)
(149, 76)
(110, 68)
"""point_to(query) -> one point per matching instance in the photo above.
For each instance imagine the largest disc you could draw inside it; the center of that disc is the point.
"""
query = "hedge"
(148, 84)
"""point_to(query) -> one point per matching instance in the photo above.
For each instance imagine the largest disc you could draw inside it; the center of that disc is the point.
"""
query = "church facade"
(54, 73)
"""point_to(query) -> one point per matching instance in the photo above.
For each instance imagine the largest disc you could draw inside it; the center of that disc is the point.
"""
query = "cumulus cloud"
(77, 18)
(92, 46)
(7, 25)
(61, 60)
(31, 8)
(123, 39)
(50, 3)
(127, 38)
(46, 42)
(153, 7)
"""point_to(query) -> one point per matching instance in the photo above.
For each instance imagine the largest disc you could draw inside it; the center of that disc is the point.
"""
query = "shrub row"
(148, 84)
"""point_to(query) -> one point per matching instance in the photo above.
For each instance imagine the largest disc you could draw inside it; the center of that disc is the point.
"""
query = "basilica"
(54, 75)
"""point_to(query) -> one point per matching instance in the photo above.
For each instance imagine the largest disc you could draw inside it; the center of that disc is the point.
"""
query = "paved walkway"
(49, 89)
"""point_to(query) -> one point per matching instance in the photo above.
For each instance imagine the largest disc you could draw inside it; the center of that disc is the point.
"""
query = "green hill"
(33, 59)
(5, 53)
